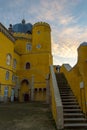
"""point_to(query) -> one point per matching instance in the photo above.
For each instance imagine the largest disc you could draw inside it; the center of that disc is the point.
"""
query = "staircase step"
(68, 103)
(72, 110)
(71, 106)
(61, 82)
(74, 125)
(69, 100)
(65, 93)
(65, 90)
(73, 115)
(67, 96)
(74, 120)
(64, 87)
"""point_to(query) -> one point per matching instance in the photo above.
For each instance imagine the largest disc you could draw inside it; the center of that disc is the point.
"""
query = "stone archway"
(24, 94)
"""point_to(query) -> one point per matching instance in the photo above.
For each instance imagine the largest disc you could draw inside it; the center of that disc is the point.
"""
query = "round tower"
(41, 37)
(82, 52)
(82, 58)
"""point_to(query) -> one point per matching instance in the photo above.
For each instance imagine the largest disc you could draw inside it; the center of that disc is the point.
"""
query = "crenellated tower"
(41, 37)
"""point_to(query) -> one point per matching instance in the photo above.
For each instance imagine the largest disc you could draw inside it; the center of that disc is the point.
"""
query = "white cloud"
(67, 33)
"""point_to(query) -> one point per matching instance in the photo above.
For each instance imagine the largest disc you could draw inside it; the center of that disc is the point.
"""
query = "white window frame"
(8, 59)
(7, 75)
(6, 89)
(13, 78)
(14, 63)
(28, 47)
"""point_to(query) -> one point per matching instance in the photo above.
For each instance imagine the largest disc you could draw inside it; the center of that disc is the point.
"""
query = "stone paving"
(26, 116)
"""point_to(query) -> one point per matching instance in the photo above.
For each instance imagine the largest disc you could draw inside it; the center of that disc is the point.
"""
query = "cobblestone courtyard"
(26, 116)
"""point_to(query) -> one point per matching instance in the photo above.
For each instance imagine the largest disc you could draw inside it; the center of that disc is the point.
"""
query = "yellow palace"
(27, 73)
(25, 57)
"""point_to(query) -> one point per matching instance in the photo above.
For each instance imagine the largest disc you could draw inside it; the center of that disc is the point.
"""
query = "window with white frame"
(6, 91)
(13, 78)
(14, 63)
(7, 75)
(28, 47)
(8, 59)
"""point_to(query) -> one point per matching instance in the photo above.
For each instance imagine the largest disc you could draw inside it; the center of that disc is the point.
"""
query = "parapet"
(41, 24)
(22, 35)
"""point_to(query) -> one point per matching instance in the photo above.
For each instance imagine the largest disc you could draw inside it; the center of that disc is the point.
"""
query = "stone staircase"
(73, 115)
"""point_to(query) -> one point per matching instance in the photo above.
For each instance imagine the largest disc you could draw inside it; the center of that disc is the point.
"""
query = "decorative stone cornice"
(6, 33)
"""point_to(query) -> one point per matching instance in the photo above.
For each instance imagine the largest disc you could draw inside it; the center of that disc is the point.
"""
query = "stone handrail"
(58, 109)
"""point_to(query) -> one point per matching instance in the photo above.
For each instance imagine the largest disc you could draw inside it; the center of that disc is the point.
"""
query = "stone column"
(32, 88)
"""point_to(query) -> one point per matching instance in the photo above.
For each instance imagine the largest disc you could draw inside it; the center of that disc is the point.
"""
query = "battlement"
(41, 24)
(22, 35)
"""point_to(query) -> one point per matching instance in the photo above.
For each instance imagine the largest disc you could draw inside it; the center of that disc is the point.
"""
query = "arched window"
(14, 63)
(8, 59)
(27, 65)
(7, 75)
(28, 47)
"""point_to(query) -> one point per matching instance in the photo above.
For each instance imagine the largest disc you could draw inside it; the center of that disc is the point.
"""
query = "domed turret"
(22, 27)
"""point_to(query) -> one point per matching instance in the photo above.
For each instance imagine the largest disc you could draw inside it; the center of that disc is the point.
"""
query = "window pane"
(6, 91)
(27, 65)
(8, 60)
(7, 75)
(28, 47)
(14, 63)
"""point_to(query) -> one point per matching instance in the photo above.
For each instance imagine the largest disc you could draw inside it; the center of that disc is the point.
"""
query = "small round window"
(38, 46)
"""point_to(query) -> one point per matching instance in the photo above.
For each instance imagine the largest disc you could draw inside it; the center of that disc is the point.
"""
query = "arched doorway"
(24, 91)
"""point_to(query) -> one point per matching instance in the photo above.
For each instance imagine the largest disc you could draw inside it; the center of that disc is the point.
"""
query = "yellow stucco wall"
(77, 75)
(6, 47)
(39, 57)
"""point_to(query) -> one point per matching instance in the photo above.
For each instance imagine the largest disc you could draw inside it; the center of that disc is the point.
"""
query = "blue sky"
(67, 18)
